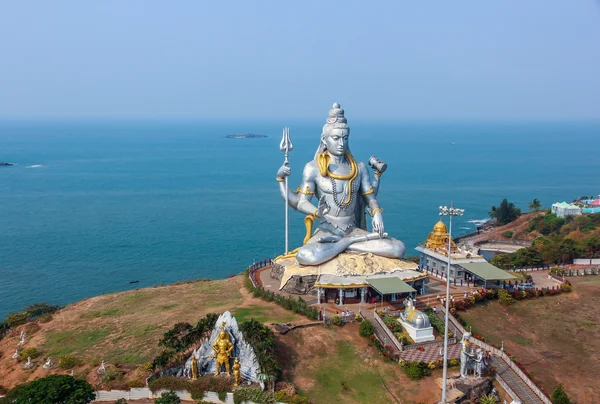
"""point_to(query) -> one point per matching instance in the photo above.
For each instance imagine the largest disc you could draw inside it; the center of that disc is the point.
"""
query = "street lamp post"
(445, 211)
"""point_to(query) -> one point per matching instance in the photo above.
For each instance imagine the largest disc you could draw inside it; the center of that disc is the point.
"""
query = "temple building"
(466, 266)
(564, 209)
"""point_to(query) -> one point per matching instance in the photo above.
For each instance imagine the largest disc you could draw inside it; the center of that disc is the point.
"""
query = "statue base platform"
(418, 334)
(347, 270)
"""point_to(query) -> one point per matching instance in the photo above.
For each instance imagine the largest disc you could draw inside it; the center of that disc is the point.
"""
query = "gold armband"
(279, 179)
(315, 214)
(370, 191)
(376, 210)
(306, 191)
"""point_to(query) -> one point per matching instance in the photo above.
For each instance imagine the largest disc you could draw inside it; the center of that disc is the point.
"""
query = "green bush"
(262, 340)
(566, 287)
(29, 352)
(435, 321)
(488, 399)
(51, 390)
(110, 375)
(17, 318)
(253, 394)
(505, 298)
(68, 362)
(336, 320)
(416, 370)
(40, 309)
(559, 396)
(507, 234)
(168, 397)
(366, 329)
(121, 401)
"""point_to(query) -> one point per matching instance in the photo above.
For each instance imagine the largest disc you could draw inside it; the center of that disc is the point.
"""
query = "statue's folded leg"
(385, 247)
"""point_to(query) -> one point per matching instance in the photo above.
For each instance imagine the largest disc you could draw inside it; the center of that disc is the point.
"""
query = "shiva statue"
(222, 348)
(344, 190)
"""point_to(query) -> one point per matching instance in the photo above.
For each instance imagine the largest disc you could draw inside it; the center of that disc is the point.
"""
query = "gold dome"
(440, 228)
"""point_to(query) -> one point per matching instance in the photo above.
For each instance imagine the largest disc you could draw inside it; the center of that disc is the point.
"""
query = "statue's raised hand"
(378, 223)
(323, 208)
(284, 171)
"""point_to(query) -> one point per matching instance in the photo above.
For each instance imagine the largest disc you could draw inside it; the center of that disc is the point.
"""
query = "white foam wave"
(34, 166)
(466, 228)
(478, 222)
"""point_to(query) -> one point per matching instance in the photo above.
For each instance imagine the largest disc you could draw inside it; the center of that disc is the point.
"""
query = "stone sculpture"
(101, 370)
(414, 317)
(16, 354)
(466, 354)
(205, 354)
(223, 348)
(344, 190)
(29, 364)
(21, 338)
(48, 364)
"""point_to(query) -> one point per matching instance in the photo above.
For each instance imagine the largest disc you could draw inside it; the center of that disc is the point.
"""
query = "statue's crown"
(336, 114)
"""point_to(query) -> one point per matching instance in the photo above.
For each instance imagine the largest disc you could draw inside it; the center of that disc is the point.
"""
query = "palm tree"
(535, 205)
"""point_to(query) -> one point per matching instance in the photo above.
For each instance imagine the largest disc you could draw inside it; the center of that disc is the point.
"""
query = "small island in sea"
(245, 136)
(2, 163)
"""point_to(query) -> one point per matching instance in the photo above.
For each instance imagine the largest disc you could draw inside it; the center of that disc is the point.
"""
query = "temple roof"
(487, 271)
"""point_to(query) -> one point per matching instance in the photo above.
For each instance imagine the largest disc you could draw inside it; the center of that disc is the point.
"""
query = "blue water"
(90, 206)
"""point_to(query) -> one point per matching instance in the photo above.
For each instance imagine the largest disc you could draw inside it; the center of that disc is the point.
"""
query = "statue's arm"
(366, 188)
(307, 190)
(284, 172)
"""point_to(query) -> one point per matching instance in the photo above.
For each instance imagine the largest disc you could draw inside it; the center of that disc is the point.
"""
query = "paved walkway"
(518, 386)
(430, 353)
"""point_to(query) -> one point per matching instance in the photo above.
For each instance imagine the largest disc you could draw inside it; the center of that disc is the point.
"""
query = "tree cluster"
(182, 337)
(561, 241)
(505, 213)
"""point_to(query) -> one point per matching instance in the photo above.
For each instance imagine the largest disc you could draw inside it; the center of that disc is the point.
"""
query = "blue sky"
(471, 59)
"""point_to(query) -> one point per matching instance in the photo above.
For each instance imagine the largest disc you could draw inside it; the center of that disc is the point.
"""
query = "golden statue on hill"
(223, 348)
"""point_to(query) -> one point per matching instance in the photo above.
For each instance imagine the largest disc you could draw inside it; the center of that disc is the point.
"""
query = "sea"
(99, 206)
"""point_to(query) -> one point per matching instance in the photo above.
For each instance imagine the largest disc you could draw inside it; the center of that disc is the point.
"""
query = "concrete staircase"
(516, 384)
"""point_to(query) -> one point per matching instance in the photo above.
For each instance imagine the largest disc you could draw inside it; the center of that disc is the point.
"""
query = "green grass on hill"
(342, 376)
(70, 342)
(264, 314)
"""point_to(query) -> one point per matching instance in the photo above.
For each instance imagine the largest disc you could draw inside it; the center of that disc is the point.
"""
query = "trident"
(286, 146)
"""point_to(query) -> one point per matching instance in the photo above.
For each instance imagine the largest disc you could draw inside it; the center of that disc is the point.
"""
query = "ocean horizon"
(92, 205)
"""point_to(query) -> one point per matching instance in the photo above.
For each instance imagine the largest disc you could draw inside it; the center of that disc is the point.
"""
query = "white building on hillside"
(564, 209)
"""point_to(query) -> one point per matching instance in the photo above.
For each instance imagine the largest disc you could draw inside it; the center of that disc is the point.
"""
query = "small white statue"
(72, 373)
(48, 364)
(16, 354)
(479, 363)
(29, 364)
(21, 338)
(101, 370)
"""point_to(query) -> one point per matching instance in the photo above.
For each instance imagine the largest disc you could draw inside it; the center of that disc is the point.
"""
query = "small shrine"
(225, 352)
(416, 323)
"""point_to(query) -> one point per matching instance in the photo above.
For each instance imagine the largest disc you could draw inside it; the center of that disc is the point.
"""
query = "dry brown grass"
(124, 328)
(555, 337)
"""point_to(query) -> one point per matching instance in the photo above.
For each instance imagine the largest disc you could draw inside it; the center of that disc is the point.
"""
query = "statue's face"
(337, 141)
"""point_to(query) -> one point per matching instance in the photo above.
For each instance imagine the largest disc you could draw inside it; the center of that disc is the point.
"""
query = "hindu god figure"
(344, 190)
(222, 348)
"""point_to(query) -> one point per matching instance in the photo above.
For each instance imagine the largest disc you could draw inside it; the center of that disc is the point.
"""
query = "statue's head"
(466, 336)
(336, 131)
(237, 360)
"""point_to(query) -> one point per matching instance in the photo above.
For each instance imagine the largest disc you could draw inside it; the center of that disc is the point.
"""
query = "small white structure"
(416, 323)
(564, 209)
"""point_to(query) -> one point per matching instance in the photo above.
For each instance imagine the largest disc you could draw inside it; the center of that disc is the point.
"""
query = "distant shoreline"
(246, 136)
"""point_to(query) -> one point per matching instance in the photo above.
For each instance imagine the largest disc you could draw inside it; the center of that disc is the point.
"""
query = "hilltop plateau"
(326, 364)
